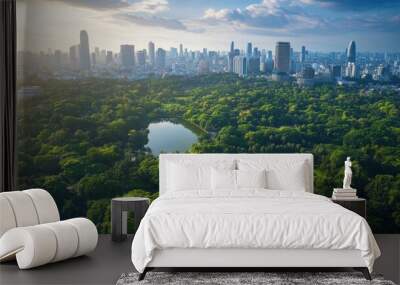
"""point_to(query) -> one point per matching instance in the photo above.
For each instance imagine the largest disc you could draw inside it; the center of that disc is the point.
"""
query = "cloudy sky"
(320, 25)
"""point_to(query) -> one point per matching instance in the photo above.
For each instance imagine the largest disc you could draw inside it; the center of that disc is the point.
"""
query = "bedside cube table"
(119, 214)
(358, 205)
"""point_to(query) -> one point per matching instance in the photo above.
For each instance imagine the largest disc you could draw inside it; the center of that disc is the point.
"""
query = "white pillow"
(193, 175)
(183, 177)
(251, 178)
(281, 175)
(223, 179)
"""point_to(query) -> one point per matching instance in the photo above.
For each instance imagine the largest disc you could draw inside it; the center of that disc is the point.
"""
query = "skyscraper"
(269, 55)
(127, 56)
(351, 52)
(74, 57)
(240, 65)
(232, 53)
(152, 55)
(141, 57)
(249, 51)
(282, 57)
(336, 71)
(84, 53)
(161, 58)
(180, 50)
(253, 65)
(109, 57)
(303, 54)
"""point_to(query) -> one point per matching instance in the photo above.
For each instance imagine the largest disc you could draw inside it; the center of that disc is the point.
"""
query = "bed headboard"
(296, 157)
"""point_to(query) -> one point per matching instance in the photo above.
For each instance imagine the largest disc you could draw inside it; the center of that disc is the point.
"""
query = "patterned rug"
(244, 278)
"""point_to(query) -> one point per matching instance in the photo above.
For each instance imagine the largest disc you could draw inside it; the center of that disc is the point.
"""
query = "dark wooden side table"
(358, 206)
(119, 214)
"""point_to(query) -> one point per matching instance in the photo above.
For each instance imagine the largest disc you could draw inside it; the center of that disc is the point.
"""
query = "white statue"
(347, 174)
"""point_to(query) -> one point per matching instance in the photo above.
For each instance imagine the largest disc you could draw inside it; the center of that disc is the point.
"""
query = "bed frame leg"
(143, 274)
(364, 271)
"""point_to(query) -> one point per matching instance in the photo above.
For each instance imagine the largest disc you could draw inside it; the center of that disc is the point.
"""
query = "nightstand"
(358, 206)
(119, 214)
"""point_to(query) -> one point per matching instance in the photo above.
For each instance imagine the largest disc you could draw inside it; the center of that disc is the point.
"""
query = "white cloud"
(150, 6)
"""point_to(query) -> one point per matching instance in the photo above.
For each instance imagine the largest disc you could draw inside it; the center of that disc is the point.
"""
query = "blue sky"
(320, 25)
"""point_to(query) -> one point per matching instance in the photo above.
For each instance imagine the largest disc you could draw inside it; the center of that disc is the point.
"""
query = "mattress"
(250, 219)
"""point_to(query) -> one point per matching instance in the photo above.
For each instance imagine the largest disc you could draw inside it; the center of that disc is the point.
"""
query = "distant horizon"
(55, 24)
(241, 48)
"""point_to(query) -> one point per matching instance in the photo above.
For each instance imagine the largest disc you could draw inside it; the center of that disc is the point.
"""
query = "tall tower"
(249, 50)
(161, 58)
(180, 50)
(351, 52)
(84, 54)
(303, 54)
(282, 57)
(141, 57)
(232, 47)
(127, 55)
(152, 54)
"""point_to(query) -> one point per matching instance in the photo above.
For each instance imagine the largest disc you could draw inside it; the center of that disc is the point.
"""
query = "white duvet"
(250, 219)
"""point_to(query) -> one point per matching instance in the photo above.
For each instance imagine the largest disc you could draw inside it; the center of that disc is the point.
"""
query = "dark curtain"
(7, 94)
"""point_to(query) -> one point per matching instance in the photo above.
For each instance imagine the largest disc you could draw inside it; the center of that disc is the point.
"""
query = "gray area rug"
(243, 278)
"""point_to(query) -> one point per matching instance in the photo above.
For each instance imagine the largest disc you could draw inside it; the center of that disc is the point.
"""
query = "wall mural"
(105, 86)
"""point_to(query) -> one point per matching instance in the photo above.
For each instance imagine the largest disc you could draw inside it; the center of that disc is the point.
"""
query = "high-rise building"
(127, 56)
(173, 52)
(93, 58)
(74, 57)
(269, 55)
(231, 55)
(240, 65)
(308, 72)
(351, 52)
(253, 65)
(109, 57)
(203, 67)
(351, 70)
(336, 71)
(303, 54)
(161, 58)
(282, 57)
(141, 57)
(256, 53)
(180, 50)
(84, 53)
(249, 51)
(152, 54)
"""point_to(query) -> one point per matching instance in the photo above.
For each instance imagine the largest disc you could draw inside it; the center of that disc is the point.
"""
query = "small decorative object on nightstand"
(346, 193)
(357, 205)
(119, 214)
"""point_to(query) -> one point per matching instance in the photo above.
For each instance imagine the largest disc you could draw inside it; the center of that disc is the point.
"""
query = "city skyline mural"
(104, 87)
(211, 24)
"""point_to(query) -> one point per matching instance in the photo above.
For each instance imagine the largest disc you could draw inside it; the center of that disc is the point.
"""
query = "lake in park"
(167, 136)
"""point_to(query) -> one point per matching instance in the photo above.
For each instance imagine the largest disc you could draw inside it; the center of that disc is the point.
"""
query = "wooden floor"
(110, 260)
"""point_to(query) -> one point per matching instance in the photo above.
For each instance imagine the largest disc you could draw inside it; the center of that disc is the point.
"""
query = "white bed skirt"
(190, 257)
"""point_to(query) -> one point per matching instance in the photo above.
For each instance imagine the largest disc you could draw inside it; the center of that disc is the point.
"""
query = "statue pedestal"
(346, 194)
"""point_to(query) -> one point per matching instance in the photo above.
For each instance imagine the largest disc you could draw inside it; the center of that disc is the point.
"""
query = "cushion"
(7, 218)
(45, 205)
(281, 175)
(251, 178)
(23, 208)
(223, 179)
(193, 175)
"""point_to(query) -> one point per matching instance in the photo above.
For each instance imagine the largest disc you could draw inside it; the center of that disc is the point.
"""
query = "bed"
(245, 211)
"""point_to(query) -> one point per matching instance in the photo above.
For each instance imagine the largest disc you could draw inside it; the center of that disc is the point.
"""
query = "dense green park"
(84, 140)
